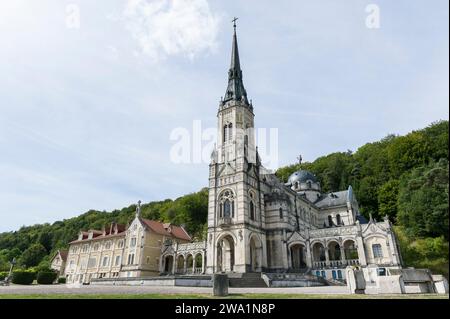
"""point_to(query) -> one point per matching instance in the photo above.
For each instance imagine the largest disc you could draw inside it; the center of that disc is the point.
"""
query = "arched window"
(338, 219)
(252, 210)
(226, 205)
(308, 184)
(296, 185)
(225, 132)
(377, 251)
(330, 221)
(227, 208)
(281, 213)
(245, 145)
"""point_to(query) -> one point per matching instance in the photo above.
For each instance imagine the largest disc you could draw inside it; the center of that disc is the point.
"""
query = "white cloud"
(171, 27)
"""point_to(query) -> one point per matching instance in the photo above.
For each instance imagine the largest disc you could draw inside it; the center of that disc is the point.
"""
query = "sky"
(91, 91)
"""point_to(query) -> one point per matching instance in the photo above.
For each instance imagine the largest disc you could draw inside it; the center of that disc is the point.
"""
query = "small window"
(117, 262)
(338, 219)
(330, 221)
(377, 251)
(133, 242)
(130, 259)
(281, 213)
(105, 261)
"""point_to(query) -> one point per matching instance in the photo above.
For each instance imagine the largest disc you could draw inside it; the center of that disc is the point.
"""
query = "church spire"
(235, 89)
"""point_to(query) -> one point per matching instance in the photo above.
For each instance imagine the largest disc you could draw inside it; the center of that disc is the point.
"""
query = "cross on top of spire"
(234, 22)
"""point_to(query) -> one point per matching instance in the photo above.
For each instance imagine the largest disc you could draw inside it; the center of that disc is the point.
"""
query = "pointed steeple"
(235, 89)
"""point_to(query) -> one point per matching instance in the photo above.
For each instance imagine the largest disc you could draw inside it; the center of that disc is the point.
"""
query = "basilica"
(257, 223)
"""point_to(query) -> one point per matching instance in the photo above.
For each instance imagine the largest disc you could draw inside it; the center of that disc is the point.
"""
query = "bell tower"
(235, 211)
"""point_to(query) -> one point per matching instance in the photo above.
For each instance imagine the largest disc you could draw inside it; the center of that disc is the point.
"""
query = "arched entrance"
(168, 264)
(298, 256)
(255, 254)
(225, 254)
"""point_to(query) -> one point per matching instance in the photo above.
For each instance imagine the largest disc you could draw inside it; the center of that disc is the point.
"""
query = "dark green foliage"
(423, 201)
(46, 277)
(23, 277)
(33, 255)
(61, 280)
(387, 199)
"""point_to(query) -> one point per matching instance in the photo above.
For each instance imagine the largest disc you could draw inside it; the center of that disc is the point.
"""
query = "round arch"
(255, 250)
(225, 252)
(297, 250)
(334, 249)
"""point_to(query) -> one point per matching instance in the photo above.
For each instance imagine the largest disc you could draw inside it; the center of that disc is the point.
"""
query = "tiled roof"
(63, 254)
(163, 229)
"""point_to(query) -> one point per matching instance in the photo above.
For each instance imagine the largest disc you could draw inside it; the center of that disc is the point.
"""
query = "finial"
(234, 22)
(299, 158)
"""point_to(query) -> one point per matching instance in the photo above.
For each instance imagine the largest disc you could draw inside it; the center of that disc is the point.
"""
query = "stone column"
(203, 262)
(342, 253)
(327, 256)
(308, 255)
(361, 252)
(184, 265)
(174, 264)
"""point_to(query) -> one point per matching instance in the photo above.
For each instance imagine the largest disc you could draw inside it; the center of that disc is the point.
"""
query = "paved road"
(66, 289)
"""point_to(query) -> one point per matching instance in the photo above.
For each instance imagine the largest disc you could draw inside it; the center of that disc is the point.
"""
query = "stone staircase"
(247, 280)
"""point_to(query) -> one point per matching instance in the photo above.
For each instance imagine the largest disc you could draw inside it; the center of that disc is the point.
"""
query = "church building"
(256, 222)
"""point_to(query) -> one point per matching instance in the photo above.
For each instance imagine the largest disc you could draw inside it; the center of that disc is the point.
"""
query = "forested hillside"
(403, 177)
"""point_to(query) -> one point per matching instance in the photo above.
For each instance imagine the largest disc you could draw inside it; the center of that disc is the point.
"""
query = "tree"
(387, 199)
(423, 201)
(33, 255)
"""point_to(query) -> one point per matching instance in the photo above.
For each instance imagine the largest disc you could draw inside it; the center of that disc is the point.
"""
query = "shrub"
(61, 280)
(46, 277)
(23, 277)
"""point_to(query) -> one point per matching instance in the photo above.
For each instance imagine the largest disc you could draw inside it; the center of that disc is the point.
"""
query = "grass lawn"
(208, 296)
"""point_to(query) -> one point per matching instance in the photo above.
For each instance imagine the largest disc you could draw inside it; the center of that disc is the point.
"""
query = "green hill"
(403, 177)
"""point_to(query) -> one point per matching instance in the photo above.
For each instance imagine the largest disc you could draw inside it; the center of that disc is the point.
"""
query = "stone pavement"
(66, 289)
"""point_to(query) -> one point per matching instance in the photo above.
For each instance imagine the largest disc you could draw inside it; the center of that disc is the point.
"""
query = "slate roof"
(332, 199)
